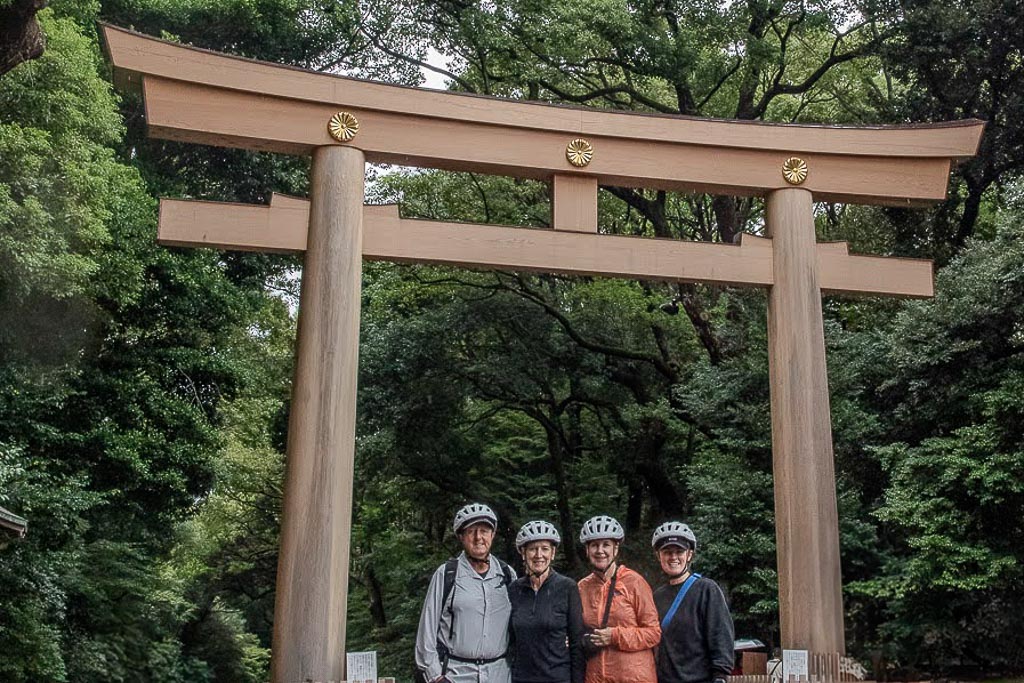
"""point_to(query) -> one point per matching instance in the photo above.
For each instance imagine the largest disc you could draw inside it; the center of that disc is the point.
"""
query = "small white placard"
(361, 667)
(794, 665)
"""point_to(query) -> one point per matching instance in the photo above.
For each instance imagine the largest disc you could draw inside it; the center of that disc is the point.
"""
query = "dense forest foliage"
(144, 390)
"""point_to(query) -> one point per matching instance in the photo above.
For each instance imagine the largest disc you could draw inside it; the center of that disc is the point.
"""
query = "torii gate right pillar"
(806, 515)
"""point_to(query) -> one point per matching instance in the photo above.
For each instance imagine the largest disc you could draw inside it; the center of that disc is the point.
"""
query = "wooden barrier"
(793, 679)
(751, 678)
(823, 667)
(754, 663)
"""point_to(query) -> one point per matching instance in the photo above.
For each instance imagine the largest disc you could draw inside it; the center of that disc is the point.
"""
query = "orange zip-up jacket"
(635, 626)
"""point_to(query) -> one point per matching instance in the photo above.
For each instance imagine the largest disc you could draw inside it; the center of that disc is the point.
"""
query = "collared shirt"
(548, 629)
(481, 609)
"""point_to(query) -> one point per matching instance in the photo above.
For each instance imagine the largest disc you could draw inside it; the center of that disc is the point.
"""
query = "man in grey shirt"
(463, 633)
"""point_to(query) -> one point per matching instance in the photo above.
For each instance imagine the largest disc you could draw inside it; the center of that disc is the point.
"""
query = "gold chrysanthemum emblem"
(343, 126)
(579, 152)
(794, 170)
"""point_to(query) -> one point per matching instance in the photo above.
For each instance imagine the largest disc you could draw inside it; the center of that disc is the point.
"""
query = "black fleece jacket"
(697, 645)
(547, 631)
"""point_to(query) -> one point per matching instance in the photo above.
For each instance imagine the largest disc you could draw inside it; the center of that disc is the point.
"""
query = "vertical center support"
(806, 516)
(312, 574)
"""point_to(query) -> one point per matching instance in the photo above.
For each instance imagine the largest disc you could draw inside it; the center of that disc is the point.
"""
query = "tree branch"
(606, 92)
(378, 44)
(531, 294)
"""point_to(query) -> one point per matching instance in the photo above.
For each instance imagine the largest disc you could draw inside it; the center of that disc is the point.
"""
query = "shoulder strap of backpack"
(506, 572)
(451, 567)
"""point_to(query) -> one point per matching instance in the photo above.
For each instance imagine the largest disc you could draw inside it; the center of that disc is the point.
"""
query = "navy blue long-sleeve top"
(698, 644)
(547, 631)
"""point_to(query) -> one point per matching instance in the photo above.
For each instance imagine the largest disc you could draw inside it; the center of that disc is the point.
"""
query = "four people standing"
(608, 629)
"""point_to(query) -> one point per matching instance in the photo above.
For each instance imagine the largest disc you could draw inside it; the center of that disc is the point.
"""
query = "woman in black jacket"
(696, 627)
(547, 616)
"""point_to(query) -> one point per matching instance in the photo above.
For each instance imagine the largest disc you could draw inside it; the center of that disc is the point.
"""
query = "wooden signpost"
(205, 97)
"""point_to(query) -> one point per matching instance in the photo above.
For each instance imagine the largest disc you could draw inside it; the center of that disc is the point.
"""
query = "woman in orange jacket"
(618, 611)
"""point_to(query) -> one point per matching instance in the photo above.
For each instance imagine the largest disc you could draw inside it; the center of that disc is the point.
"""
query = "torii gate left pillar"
(316, 522)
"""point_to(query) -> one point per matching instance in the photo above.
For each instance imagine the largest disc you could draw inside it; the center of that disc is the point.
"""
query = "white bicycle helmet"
(474, 512)
(537, 531)
(674, 533)
(601, 527)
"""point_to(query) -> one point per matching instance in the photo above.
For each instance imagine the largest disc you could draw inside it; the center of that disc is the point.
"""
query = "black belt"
(478, 661)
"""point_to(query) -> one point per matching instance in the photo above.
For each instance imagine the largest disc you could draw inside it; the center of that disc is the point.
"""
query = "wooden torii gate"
(204, 97)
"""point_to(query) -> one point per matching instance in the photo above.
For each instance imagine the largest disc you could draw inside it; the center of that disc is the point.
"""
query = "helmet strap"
(526, 561)
(612, 568)
(685, 571)
(481, 565)
(537, 575)
(687, 568)
(614, 564)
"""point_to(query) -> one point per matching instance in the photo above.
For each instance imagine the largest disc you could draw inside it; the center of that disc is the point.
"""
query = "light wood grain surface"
(135, 55)
(282, 227)
(312, 575)
(204, 97)
(806, 516)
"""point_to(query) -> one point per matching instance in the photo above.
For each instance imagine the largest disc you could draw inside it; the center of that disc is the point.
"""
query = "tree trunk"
(635, 506)
(698, 316)
(972, 207)
(726, 217)
(21, 38)
(373, 587)
(651, 467)
(558, 455)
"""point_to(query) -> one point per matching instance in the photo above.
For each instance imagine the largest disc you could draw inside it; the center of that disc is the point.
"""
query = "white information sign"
(361, 667)
(794, 665)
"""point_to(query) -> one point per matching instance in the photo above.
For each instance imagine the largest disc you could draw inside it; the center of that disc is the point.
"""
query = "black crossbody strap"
(608, 602)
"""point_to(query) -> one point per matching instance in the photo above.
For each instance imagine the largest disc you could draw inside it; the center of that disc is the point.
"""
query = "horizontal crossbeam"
(281, 227)
(236, 102)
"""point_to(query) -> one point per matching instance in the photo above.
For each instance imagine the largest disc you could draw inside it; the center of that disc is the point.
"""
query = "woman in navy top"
(547, 615)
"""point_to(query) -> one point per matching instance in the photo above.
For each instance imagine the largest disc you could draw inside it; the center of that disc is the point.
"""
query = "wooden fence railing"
(822, 667)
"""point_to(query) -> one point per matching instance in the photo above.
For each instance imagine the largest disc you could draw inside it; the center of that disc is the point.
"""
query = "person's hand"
(441, 679)
(601, 637)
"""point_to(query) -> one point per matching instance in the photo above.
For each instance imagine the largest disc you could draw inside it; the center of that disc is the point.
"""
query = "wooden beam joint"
(574, 203)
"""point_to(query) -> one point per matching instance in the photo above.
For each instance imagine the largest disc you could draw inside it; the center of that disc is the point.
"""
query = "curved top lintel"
(135, 55)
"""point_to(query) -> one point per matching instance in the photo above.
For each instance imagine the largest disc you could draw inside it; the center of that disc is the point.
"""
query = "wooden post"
(312, 575)
(806, 517)
(574, 203)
